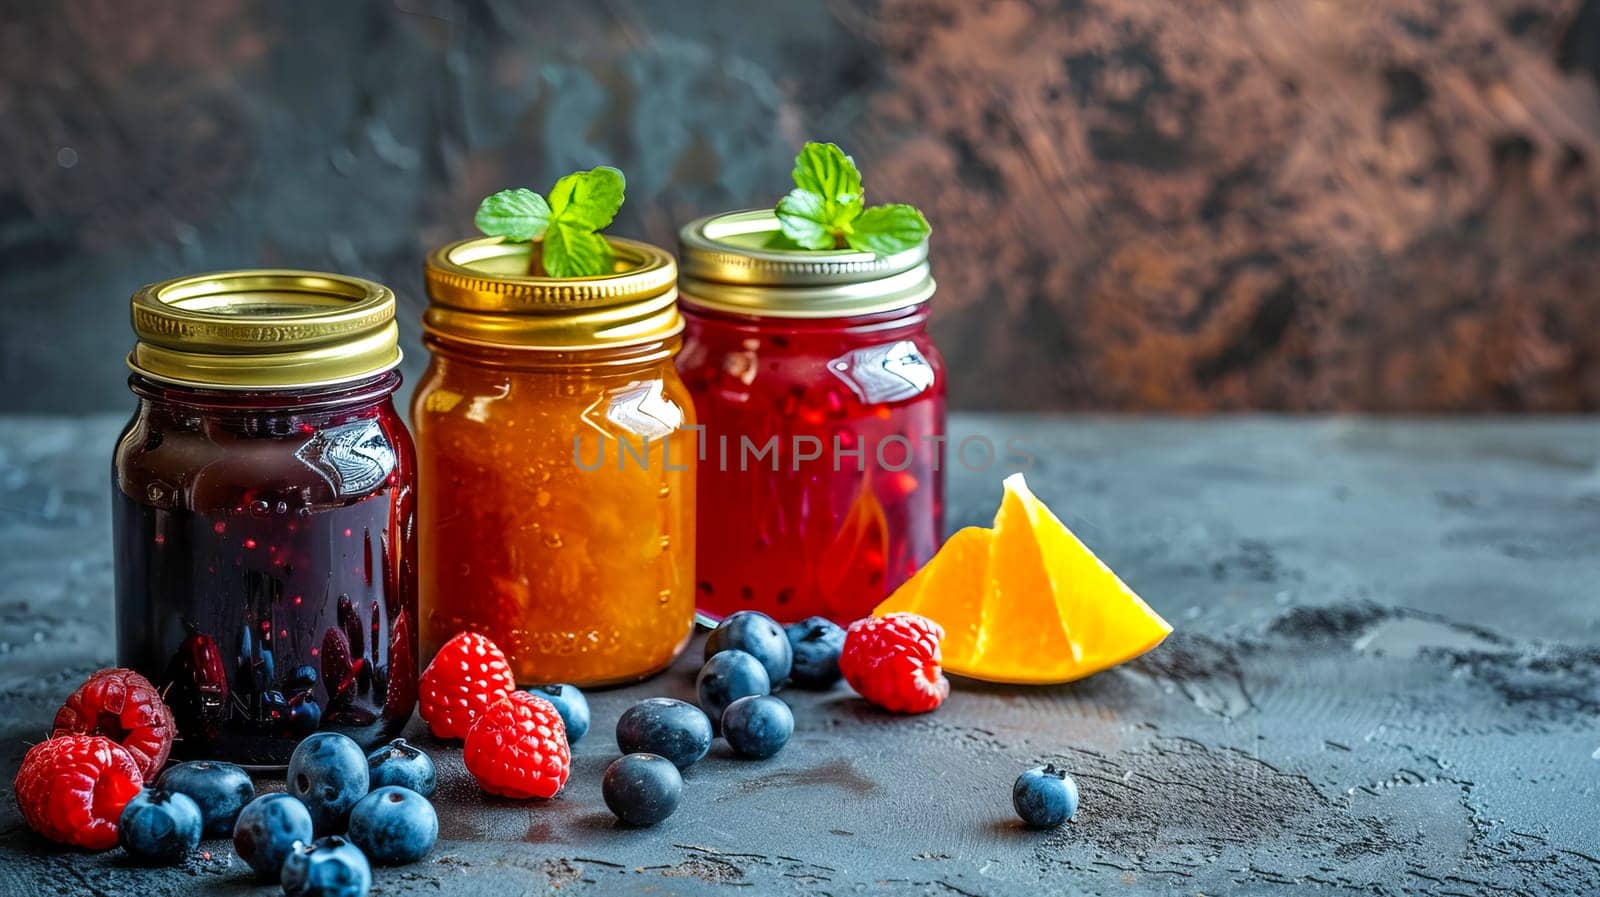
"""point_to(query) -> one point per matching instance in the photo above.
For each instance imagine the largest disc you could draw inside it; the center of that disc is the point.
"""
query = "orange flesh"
(1026, 601)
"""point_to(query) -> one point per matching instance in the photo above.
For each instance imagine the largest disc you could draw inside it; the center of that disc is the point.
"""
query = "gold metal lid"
(480, 292)
(727, 266)
(264, 329)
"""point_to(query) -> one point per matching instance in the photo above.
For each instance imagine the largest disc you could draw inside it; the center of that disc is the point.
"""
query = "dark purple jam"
(266, 564)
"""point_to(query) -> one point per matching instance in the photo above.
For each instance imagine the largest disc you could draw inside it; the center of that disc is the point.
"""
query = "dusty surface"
(1385, 680)
(1241, 204)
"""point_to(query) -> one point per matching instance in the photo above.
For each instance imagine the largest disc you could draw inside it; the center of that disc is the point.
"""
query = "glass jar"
(263, 513)
(556, 452)
(822, 400)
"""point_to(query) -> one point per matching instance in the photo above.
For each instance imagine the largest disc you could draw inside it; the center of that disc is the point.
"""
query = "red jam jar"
(263, 513)
(822, 403)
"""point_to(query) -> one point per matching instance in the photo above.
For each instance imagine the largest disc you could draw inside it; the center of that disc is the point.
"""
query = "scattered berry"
(159, 827)
(267, 830)
(757, 635)
(758, 726)
(220, 790)
(327, 867)
(815, 643)
(666, 727)
(727, 677)
(571, 704)
(893, 662)
(1045, 796)
(467, 675)
(394, 826)
(518, 748)
(642, 789)
(328, 773)
(401, 763)
(124, 707)
(72, 789)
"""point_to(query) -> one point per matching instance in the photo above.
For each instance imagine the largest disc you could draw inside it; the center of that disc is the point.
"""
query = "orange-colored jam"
(580, 575)
(556, 464)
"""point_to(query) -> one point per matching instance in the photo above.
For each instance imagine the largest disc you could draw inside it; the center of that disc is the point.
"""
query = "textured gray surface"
(1385, 680)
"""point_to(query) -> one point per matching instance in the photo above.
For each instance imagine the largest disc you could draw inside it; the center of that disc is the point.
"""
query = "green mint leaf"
(518, 215)
(824, 169)
(885, 230)
(803, 217)
(588, 199)
(846, 213)
(574, 251)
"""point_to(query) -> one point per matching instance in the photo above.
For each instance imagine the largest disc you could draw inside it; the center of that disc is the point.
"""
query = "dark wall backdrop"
(1218, 204)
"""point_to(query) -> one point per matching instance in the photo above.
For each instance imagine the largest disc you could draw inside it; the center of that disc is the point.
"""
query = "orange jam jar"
(556, 457)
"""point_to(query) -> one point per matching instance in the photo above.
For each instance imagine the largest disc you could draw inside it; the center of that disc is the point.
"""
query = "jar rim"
(369, 389)
(479, 293)
(729, 265)
(263, 329)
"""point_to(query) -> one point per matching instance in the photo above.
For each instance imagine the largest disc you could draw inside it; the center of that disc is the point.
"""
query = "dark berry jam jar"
(822, 402)
(263, 513)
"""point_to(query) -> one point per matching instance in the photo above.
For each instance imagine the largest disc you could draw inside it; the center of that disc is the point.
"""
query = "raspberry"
(197, 685)
(401, 694)
(518, 748)
(124, 707)
(340, 668)
(467, 675)
(893, 661)
(72, 789)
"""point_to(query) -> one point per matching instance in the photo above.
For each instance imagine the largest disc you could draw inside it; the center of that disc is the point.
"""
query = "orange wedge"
(957, 573)
(1026, 602)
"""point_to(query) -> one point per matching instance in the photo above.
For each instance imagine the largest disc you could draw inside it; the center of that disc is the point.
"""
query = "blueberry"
(327, 867)
(571, 704)
(267, 830)
(328, 772)
(755, 634)
(758, 726)
(220, 790)
(727, 677)
(159, 826)
(1045, 796)
(400, 763)
(815, 643)
(394, 825)
(303, 677)
(667, 728)
(642, 789)
(305, 715)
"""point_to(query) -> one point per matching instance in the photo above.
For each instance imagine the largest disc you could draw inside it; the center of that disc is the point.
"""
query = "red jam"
(854, 410)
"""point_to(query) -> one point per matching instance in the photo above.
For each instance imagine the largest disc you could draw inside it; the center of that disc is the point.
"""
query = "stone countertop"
(1385, 680)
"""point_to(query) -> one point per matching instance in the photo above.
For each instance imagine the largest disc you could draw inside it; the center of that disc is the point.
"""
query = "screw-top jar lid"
(480, 292)
(728, 265)
(264, 330)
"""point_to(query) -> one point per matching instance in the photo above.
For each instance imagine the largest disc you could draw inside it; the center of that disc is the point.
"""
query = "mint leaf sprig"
(580, 205)
(827, 208)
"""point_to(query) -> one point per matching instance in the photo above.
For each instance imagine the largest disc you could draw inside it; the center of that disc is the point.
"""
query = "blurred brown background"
(1220, 204)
